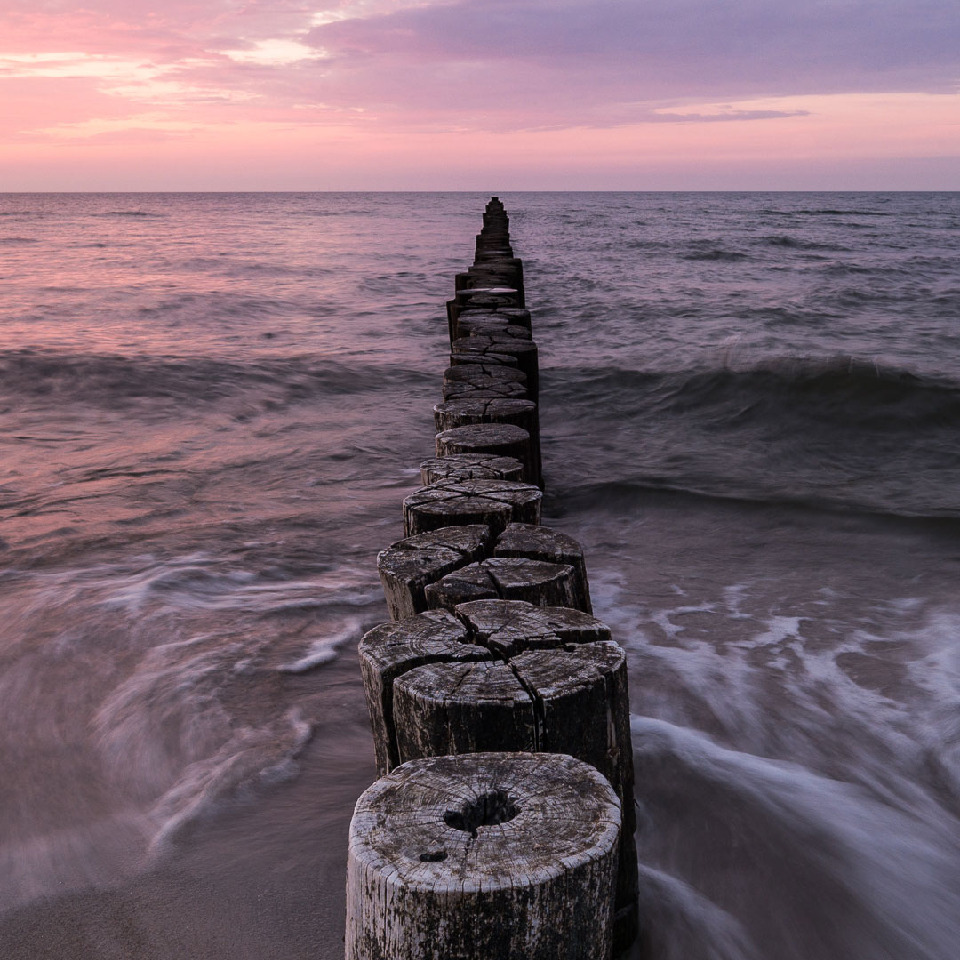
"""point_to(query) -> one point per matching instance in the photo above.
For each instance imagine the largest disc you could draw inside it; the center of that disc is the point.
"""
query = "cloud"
(72, 65)
(673, 48)
(275, 53)
(721, 113)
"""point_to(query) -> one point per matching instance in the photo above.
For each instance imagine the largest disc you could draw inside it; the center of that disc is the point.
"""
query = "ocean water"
(212, 406)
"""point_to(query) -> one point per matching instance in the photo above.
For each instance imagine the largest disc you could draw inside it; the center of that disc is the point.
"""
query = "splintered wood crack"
(536, 700)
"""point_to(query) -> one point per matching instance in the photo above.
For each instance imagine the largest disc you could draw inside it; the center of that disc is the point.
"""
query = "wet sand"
(234, 887)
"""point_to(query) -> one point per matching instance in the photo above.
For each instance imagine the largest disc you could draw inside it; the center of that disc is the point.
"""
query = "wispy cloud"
(600, 51)
(275, 53)
(721, 113)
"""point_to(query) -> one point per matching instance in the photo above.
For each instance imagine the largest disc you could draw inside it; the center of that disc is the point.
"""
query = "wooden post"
(498, 371)
(554, 700)
(470, 466)
(390, 650)
(486, 856)
(522, 354)
(499, 359)
(484, 630)
(513, 316)
(509, 628)
(505, 578)
(511, 265)
(487, 325)
(542, 543)
(481, 380)
(455, 564)
(451, 503)
(490, 297)
(409, 565)
(459, 413)
(499, 272)
(520, 413)
(502, 439)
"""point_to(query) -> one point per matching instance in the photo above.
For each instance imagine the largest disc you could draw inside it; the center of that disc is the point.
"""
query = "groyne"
(503, 823)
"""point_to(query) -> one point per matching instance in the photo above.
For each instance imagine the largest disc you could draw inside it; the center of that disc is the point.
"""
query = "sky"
(491, 95)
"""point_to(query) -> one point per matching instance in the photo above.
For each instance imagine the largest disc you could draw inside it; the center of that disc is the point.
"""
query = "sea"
(211, 408)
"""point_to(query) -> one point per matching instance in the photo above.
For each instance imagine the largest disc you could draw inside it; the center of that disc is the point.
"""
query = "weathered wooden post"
(500, 271)
(470, 466)
(502, 439)
(506, 381)
(477, 382)
(458, 413)
(518, 352)
(508, 320)
(494, 503)
(408, 566)
(454, 564)
(492, 856)
(538, 582)
(519, 413)
(490, 325)
(541, 543)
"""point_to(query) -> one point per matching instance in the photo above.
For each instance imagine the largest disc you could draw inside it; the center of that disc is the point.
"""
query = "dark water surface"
(211, 408)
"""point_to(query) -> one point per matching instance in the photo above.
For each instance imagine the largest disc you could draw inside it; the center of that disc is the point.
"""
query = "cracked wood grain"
(481, 856)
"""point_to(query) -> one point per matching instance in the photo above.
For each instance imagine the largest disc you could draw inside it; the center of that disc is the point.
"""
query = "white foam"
(199, 582)
(681, 923)
(733, 597)
(899, 867)
(173, 687)
(872, 699)
(323, 650)
(263, 754)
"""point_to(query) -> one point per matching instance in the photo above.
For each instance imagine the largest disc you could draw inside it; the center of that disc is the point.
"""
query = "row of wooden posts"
(503, 823)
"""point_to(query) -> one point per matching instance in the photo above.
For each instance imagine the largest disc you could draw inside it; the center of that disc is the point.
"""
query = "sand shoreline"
(278, 896)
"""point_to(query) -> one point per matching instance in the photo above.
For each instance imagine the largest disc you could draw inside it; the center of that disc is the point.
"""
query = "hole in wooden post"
(433, 856)
(492, 808)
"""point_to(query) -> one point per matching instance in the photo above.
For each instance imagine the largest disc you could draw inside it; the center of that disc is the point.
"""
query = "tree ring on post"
(506, 855)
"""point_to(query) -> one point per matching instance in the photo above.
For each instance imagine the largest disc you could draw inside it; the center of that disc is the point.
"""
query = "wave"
(711, 250)
(840, 212)
(626, 498)
(848, 389)
(113, 380)
(842, 389)
(750, 831)
(130, 213)
(795, 243)
(833, 432)
(730, 256)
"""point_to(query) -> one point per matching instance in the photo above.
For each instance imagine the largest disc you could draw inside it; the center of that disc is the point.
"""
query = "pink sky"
(479, 94)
